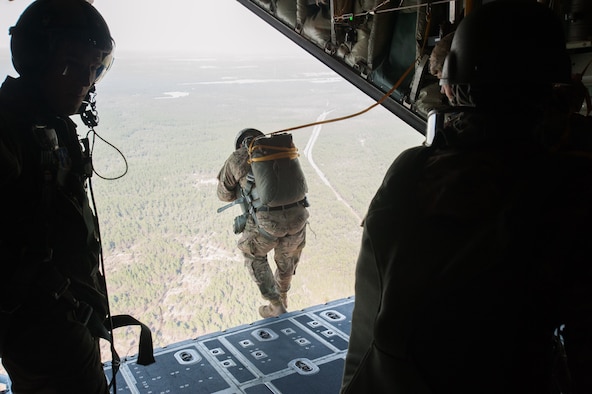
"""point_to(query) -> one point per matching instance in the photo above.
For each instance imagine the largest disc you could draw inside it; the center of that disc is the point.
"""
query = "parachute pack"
(278, 176)
(275, 180)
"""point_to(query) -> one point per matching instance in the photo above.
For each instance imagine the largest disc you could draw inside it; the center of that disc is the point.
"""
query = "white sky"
(221, 26)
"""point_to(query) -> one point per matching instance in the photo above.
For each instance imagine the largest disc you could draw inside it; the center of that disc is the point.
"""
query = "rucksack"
(278, 176)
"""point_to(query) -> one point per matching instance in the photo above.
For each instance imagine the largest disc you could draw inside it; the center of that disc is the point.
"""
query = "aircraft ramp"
(298, 352)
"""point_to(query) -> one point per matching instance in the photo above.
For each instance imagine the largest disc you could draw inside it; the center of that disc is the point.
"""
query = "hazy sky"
(223, 26)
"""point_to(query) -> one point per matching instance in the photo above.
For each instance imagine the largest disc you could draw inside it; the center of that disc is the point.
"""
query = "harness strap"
(265, 208)
(262, 231)
(247, 200)
(247, 194)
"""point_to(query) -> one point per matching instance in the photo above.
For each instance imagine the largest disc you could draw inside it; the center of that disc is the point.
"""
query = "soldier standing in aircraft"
(434, 96)
(53, 298)
(476, 248)
(279, 228)
(437, 58)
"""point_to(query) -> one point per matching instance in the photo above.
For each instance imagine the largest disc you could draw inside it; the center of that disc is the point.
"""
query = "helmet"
(45, 23)
(492, 43)
(245, 135)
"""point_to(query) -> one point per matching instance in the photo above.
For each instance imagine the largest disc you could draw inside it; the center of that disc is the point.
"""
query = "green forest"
(170, 259)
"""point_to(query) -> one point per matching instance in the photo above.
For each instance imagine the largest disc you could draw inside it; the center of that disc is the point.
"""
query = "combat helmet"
(45, 23)
(246, 134)
(493, 42)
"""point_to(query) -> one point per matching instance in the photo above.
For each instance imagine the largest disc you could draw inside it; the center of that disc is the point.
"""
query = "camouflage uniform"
(48, 235)
(286, 226)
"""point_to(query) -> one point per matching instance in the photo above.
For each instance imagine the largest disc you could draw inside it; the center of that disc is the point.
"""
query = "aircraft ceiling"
(382, 46)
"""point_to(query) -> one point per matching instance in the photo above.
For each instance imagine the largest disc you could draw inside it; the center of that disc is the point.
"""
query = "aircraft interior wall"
(383, 47)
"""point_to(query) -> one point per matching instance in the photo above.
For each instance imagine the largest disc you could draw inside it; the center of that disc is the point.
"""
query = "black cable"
(96, 135)
(115, 362)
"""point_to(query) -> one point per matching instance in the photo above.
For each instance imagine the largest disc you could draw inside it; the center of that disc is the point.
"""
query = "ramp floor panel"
(298, 352)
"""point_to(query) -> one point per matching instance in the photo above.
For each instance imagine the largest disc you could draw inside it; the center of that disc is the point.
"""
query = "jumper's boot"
(284, 298)
(275, 308)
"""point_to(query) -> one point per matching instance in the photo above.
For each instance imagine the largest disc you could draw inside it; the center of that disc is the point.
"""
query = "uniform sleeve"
(228, 178)
(226, 184)
(378, 237)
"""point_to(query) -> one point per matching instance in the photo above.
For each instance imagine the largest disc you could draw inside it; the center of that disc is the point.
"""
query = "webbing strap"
(280, 152)
(251, 209)
(145, 349)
